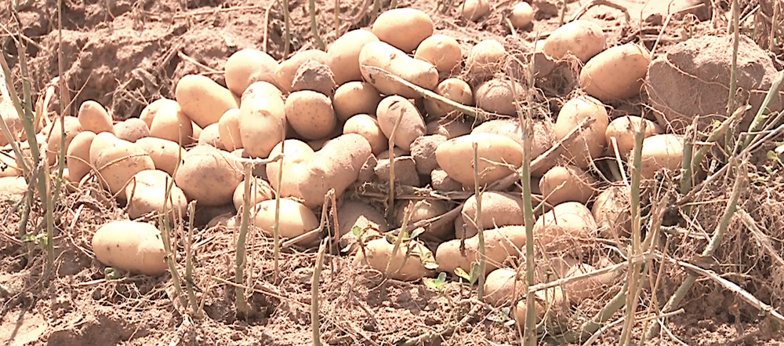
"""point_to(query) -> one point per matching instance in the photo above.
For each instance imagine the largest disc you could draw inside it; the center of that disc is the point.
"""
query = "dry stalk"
(314, 25)
(239, 294)
(481, 233)
(314, 298)
(391, 144)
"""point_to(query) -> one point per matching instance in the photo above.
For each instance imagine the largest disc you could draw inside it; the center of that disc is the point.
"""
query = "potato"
(202, 100)
(624, 130)
(94, 118)
(485, 58)
(405, 171)
(550, 305)
(499, 96)
(246, 67)
(565, 225)
(449, 128)
(131, 130)
(229, 130)
(442, 51)
(355, 98)
(404, 264)
(542, 135)
(581, 38)
(117, 161)
(284, 75)
(343, 55)
(260, 191)
(423, 150)
(295, 219)
(196, 133)
(166, 155)
(72, 128)
(403, 28)
(588, 288)
(315, 76)
(441, 181)
(498, 209)
(357, 214)
(208, 175)
(566, 184)
(474, 9)
(422, 210)
(78, 156)
(367, 126)
(168, 121)
(498, 155)
(310, 114)
(453, 89)
(10, 168)
(591, 142)
(501, 244)
(660, 152)
(297, 156)
(411, 123)
(502, 287)
(11, 118)
(522, 15)
(147, 194)
(131, 246)
(616, 73)
(612, 212)
(12, 189)
(262, 119)
(210, 135)
(382, 56)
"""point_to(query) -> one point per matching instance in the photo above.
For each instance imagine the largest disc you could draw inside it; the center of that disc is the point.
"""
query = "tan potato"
(454, 89)
(361, 216)
(449, 128)
(502, 287)
(131, 130)
(612, 212)
(316, 76)
(542, 135)
(78, 156)
(72, 128)
(550, 305)
(501, 244)
(167, 121)
(355, 98)
(208, 175)
(380, 55)
(616, 73)
(522, 15)
(10, 168)
(147, 193)
(405, 171)
(343, 55)
(591, 287)
(202, 100)
(210, 135)
(498, 96)
(262, 119)
(367, 126)
(498, 155)
(165, 154)
(423, 150)
(12, 120)
(566, 184)
(442, 51)
(246, 67)
(284, 76)
(196, 133)
(422, 210)
(131, 246)
(498, 209)
(591, 142)
(117, 161)
(403, 28)
(474, 9)
(310, 114)
(624, 130)
(94, 118)
(411, 124)
(441, 181)
(297, 156)
(485, 58)
(581, 38)
(260, 191)
(564, 226)
(12, 189)
(295, 220)
(229, 130)
(404, 264)
(660, 152)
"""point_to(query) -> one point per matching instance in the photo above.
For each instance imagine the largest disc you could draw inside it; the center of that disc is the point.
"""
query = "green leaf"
(417, 232)
(461, 273)
(437, 283)
(357, 231)
(111, 274)
(474, 273)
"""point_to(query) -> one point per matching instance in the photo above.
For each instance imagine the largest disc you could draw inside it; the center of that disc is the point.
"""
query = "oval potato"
(591, 142)
(442, 51)
(355, 98)
(132, 246)
(343, 55)
(498, 155)
(411, 124)
(403, 28)
(616, 73)
(246, 67)
(566, 184)
(94, 118)
(202, 100)
(624, 130)
(208, 175)
(310, 114)
(262, 119)
(169, 122)
(147, 192)
(581, 38)
(454, 89)
(380, 55)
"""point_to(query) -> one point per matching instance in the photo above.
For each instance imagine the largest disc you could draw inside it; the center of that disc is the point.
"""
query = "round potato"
(295, 220)
(131, 130)
(117, 161)
(208, 175)
(612, 212)
(147, 193)
(616, 73)
(660, 152)
(167, 121)
(262, 119)
(474, 9)
(499, 96)
(422, 210)
(522, 15)
(591, 142)
(454, 89)
(498, 155)
(498, 209)
(441, 181)
(297, 155)
(566, 184)
(486, 58)
(502, 287)
(581, 38)
(355, 98)
(405, 171)
(357, 215)
(343, 55)
(94, 118)
(564, 226)
(411, 123)
(442, 51)
(202, 100)
(132, 246)
(501, 244)
(260, 191)
(287, 69)
(165, 154)
(403, 28)
(407, 263)
(211, 136)
(367, 126)
(310, 114)
(377, 56)
(246, 67)
(624, 130)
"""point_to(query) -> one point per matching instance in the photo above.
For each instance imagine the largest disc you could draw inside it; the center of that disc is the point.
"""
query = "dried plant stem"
(166, 231)
(276, 226)
(481, 233)
(189, 262)
(239, 277)
(391, 144)
(314, 298)
(761, 115)
(286, 29)
(314, 25)
(774, 25)
(337, 19)
(734, 72)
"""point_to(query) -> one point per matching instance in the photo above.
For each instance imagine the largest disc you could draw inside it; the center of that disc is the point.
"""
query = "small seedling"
(112, 274)
(436, 284)
(471, 277)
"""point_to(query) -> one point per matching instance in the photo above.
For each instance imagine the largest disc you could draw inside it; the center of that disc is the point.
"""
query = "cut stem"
(314, 25)
(481, 231)
(314, 297)
(239, 278)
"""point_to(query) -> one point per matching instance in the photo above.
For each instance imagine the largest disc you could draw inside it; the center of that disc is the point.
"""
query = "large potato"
(624, 130)
(403, 28)
(165, 154)
(295, 219)
(617, 73)
(208, 175)
(498, 156)
(542, 139)
(411, 124)
(355, 98)
(442, 51)
(316, 76)
(660, 152)
(367, 126)
(131, 130)
(454, 89)
(591, 142)
(117, 161)
(202, 100)
(566, 184)
(132, 246)
(404, 264)
(502, 287)
(167, 121)
(581, 38)
(287, 69)
(498, 209)
(147, 194)
(94, 118)
(566, 224)
(474, 9)
(310, 114)
(229, 130)
(246, 67)
(382, 56)
(262, 119)
(486, 58)
(499, 96)
(343, 55)
(78, 156)
(501, 244)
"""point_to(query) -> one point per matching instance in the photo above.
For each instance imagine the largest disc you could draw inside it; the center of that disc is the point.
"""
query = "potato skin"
(501, 288)
(522, 15)
(117, 161)
(246, 67)
(94, 118)
(411, 124)
(131, 130)
(165, 154)
(453, 157)
(284, 75)
(423, 150)
(295, 219)
(612, 211)
(210, 135)
(485, 58)
(72, 128)
(229, 130)
(208, 175)
(498, 209)
(449, 128)
(262, 119)
(500, 244)
(591, 142)
(310, 114)
(167, 121)
(297, 156)
(132, 246)
(442, 51)
(498, 96)
(564, 226)
(388, 58)
(566, 184)
(454, 89)
(78, 156)
(147, 194)
(202, 100)
(581, 38)
(260, 191)
(660, 152)
(367, 126)
(616, 73)
(343, 55)
(378, 254)
(403, 28)
(474, 9)
(624, 129)
(355, 98)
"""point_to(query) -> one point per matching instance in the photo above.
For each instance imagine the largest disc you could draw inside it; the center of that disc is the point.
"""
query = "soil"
(128, 53)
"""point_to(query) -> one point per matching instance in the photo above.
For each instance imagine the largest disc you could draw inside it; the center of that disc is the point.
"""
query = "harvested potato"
(10, 168)
(581, 38)
(210, 135)
(542, 139)
(246, 67)
(315, 76)
(12, 120)
(449, 128)
(498, 209)
(167, 121)
(485, 58)
(565, 225)
(403, 28)
(310, 114)
(12, 189)
(474, 9)
(357, 214)
(566, 184)
(117, 161)
(498, 156)
(454, 89)
(502, 287)
(624, 130)
(367, 126)
(408, 263)
(499, 96)
(260, 191)
(660, 152)
(229, 130)
(166, 155)
(423, 150)
(72, 128)
(405, 171)
(147, 194)
(616, 73)
(441, 181)
(501, 244)
(131, 130)
(612, 212)
(355, 98)
(423, 210)
(284, 76)
(262, 119)
(550, 305)
(411, 123)
(295, 220)
(202, 100)
(522, 15)
(380, 55)
(442, 51)
(297, 156)
(208, 175)
(131, 246)
(94, 118)
(78, 156)
(591, 142)
(590, 287)
(343, 55)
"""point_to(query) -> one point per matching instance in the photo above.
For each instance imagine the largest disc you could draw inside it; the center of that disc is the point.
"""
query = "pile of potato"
(333, 114)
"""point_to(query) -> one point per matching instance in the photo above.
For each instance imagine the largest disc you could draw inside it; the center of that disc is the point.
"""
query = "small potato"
(78, 156)
(380, 55)
(442, 51)
(117, 161)
(310, 114)
(501, 244)
(202, 100)
(616, 73)
(566, 184)
(168, 121)
(411, 124)
(422, 210)
(403, 28)
(315, 76)
(564, 226)
(624, 130)
(498, 155)
(407, 263)
(405, 171)
(660, 152)
(211, 136)
(284, 76)
(229, 130)
(581, 38)
(262, 119)
(474, 9)
(94, 118)
(367, 126)
(612, 212)
(449, 128)
(454, 89)
(355, 98)
(72, 128)
(295, 219)
(423, 150)
(485, 58)
(147, 193)
(131, 246)
(501, 288)
(166, 155)
(343, 55)
(522, 15)
(498, 209)
(498, 96)
(131, 130)
(260, 191)
(591, 142)
(246, 67)
(208, 175)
